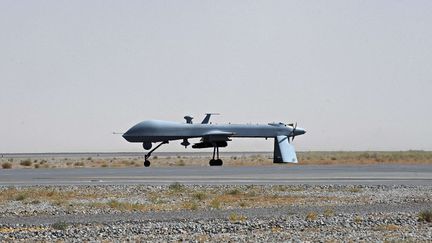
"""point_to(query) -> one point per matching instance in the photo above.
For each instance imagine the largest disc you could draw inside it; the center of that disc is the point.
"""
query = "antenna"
(188, 119)
(207, 117)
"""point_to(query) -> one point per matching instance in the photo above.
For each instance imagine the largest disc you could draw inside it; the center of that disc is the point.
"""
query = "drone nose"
(127, 136)
(299, 131)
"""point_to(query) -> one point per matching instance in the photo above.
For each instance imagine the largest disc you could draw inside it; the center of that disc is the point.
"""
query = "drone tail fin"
(284, 152)
(207, 117)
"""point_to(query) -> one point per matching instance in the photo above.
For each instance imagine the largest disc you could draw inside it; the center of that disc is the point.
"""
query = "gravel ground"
(357, 213)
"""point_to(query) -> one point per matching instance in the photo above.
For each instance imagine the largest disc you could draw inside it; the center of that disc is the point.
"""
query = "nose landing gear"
(146, 161)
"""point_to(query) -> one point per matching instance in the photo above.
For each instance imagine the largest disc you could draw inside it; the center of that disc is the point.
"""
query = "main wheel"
(215, 162)
(146, 163)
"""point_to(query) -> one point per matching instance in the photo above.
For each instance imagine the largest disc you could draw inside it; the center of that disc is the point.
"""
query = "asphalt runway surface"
(388, 174)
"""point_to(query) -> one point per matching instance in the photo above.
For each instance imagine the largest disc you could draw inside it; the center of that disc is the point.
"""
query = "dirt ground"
(265, 159)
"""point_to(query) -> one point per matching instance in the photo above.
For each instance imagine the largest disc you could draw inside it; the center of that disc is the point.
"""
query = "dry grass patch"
(7, 165)
(26, 162)
(285, 188)
(305, 158)
(21, 197)
(202, 238)
(329, 212)
(173, 197)
(200, 196)
(243, 199)
(388, 227)
(180, 162)
(276, 229)
(122, 206)
(157, 198)
(176, 187)
(243, 204)
(215, 203)
(234, 218)
(366, 157)
(6, 230)
(79, 164)
(59, 226)
(425, 216)
(190, 205)
(43, 194)
(127, 207)
(234, 192)
(311, 216)
(235, 197)
(358, 220)
(355, 190)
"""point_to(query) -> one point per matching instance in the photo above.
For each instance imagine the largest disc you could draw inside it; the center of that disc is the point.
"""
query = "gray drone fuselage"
(158, 131)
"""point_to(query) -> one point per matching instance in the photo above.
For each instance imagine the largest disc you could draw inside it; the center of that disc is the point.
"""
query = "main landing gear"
(146, 161)
(213, 161)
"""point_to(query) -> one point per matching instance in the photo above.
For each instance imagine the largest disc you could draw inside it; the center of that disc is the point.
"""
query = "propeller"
(293, 131)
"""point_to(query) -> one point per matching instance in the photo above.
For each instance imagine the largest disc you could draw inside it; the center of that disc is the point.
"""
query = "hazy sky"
(357, 75)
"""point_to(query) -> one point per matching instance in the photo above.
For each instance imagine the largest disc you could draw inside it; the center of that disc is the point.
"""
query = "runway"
(278, 175)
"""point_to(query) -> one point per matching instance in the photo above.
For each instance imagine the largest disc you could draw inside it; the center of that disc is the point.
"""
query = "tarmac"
(384, 174)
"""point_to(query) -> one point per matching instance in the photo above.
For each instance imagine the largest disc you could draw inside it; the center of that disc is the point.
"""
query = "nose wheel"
(146, 163)
(217, 161)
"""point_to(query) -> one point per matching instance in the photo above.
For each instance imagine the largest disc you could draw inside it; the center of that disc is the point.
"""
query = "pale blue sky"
(357, 75)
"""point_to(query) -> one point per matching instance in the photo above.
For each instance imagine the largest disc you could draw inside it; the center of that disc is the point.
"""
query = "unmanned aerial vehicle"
(214, 136)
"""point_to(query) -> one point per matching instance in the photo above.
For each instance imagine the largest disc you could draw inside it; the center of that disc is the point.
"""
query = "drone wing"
(214, 138)
(217, 136)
